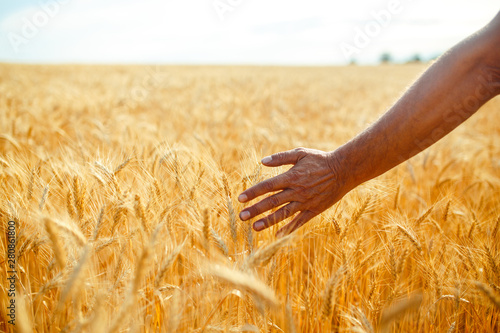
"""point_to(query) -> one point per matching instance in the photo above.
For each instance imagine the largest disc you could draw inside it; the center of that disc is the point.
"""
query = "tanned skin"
(447, 93)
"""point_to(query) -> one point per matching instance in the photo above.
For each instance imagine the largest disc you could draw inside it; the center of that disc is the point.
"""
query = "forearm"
(448, 93)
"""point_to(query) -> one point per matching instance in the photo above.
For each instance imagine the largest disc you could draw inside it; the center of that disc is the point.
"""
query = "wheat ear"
(489, 293)
(398, 309)
(59, 252)
(264, 254)
(244, 281)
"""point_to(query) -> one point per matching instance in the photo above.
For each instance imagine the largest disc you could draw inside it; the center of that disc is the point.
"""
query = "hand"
(310, 187)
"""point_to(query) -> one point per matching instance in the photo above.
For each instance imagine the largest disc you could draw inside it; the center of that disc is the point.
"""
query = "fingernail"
(258, 226)
(244, 215)
(242, 198)
(267, 159)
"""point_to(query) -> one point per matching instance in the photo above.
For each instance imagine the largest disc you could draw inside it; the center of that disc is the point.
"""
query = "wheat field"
(122, 183)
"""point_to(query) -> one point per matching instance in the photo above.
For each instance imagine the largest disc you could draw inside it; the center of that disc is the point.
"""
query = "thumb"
(284, 157)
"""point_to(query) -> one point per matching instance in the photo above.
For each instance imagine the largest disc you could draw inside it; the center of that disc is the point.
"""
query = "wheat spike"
(329, 291)
(495, 229)
(225, 184)
(103, 243)
(412, 238)
(100, 218)
(400, 308)
(59, 252)
(157, 189)
(396, 197)
(359, 212)
(134, 286)
(44, 197)
(232, 220)
(72, 231)
(471, 229)
(337, 226)
(219, 242)
(393, 265)
(31, 182)
(495, 288)
(264, 254)
(168, 262)
(424, 215)
(23, 321)
(120, 215)
(139, 212)
(491, 261)
(446, 211)
(121, 166)
(290, 325)
(79, 196)
(244, 281)
(489, 293)
(69, 204)
(206, 230)
(73, 278)
(175, 315)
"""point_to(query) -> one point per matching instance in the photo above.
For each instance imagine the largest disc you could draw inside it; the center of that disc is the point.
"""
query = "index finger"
(269, 185)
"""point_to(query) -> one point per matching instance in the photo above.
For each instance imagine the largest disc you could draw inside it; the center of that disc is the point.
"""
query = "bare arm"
(448, 93)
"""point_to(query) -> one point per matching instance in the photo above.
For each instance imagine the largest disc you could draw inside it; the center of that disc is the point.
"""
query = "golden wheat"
(126, 208)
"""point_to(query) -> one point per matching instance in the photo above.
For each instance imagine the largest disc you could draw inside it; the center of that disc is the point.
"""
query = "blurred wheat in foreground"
(122, 183)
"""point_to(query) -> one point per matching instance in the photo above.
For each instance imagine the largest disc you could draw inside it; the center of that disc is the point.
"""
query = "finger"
(266, 204)
(269, 185)
(277, 216)
(296, 223)
(284, 157)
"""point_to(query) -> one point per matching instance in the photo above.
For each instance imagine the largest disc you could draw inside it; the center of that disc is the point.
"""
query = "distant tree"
(385, 58)
(415, 58)
(353, 62)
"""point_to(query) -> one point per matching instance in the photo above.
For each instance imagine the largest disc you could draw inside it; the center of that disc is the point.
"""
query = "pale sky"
(282, 32)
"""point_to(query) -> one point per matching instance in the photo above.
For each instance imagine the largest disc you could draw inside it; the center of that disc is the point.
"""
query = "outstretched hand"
(310, 187)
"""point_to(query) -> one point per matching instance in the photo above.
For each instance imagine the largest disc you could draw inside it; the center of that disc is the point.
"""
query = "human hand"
(310, 187)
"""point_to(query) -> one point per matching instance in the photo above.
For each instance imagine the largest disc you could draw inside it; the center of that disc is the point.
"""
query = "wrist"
(340, 165)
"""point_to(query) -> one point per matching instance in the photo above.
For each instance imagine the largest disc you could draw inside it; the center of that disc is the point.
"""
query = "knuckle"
(268, 185)
(293, 174)
(287, 210)
(274, 201)
(301, 190)
(279, 155)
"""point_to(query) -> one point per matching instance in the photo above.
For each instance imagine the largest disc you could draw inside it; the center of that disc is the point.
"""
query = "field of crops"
(122, 184)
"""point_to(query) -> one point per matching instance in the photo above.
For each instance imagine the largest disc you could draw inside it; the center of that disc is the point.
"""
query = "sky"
(277, 32)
